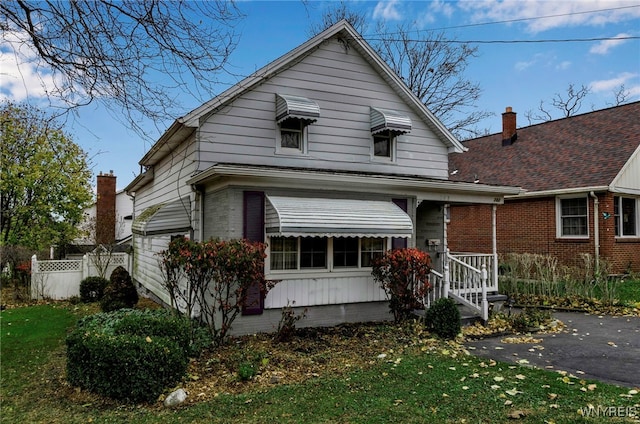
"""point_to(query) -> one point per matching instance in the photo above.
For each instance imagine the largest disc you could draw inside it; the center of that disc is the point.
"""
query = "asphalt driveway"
(604, 348)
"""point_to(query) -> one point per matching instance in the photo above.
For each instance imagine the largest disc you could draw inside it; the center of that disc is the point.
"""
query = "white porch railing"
(61, 279)
(467, 278)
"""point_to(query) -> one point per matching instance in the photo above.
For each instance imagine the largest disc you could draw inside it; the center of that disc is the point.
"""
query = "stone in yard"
(175, 398)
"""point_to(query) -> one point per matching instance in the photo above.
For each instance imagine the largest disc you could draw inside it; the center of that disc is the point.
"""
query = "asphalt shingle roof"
(585, 150)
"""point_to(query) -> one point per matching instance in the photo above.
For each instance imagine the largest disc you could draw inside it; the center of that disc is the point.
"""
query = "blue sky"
(510, 74)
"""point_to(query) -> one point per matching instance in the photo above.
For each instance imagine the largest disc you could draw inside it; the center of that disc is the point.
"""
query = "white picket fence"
(61, 279)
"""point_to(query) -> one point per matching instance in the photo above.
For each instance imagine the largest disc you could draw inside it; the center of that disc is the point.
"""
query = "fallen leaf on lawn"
(512, 392)
(553, 396)
(382, 356)
(495, 387)
(592, 387)
(508, 402)
(554, 406)
(516, 415)
(465, 387)
(523, 361)
(475, 375)
(397, 402)
(148, 339)
(498, 378)
(633, 392)
(445, 395)
(520, 377)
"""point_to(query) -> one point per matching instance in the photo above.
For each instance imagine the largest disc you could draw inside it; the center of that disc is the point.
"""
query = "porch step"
(468, 316)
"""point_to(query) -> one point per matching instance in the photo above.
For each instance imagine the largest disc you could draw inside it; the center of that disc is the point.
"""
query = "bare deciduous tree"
(621, 96)
(568, 105)
(431, 65)
(127, 54)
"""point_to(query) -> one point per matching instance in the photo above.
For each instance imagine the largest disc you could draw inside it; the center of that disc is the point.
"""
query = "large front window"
(573, 217)
(305, 253)
(626, 216)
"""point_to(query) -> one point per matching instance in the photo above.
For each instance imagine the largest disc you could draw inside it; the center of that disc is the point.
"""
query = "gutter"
(559, 192)
(596, 228)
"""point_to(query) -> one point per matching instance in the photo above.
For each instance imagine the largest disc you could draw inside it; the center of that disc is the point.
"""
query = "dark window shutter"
(253, 230)
(253, 222)
(399, 242)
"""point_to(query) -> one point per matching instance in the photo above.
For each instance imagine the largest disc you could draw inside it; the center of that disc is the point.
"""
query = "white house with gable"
(323, 154)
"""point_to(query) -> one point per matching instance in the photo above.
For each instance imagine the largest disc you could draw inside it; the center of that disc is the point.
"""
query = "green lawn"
(629, 291)
(431, 385)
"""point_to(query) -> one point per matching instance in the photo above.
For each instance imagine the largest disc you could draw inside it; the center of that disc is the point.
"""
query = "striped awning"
(296, 107)
(321, 217)
(164, 218)
(389, 120)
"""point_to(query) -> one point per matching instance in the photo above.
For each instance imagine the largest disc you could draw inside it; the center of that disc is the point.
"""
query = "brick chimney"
(106, 209)
(509, 134)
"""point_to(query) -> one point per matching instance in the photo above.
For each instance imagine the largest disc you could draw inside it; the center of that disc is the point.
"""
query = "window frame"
(560, 218)
(330, 260)
(393, 142)
(619, 224)
(304, 136)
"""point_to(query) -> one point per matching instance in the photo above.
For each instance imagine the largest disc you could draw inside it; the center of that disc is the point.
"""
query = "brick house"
(581, 181)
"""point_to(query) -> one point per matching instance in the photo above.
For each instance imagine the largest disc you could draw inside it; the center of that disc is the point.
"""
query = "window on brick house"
(625, 212)
(572, 217)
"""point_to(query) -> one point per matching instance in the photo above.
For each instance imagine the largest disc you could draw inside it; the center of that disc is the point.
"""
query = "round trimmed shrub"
(443, 318)
(92, 289)
(124, 354)
(120, 293)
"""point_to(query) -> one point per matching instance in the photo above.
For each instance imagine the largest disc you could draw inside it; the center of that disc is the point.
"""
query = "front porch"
(470, 279)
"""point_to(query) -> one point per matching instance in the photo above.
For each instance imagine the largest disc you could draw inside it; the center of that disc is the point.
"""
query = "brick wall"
(529, 226)
(106, 209)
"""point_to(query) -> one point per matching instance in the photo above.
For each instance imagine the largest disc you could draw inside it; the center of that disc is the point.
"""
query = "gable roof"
(582, 151)
(184, 126)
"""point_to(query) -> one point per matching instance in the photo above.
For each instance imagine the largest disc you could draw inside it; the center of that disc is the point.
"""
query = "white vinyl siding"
(345, 87)
(168, 185)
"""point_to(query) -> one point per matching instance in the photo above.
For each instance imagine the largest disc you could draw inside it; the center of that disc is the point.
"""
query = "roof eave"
(406, 182)
(559, 192)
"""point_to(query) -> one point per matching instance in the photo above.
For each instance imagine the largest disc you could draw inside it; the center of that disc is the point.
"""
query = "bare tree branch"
(127, 54)
(431, 66)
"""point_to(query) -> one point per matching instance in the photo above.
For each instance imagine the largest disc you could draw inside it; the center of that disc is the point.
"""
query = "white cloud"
(20, 72)
(565, 13)
(604, 46)
(521, 66)
(564, 65)
(441, 6)
(387, 10)
(613, 83)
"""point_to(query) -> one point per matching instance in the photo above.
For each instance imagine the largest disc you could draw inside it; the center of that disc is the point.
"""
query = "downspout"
(494, 245)
(596, 228)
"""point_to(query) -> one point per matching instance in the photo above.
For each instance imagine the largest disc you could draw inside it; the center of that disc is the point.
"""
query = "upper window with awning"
(393, 121)
(296, 107)
(293, 116)
(164, 218)
(321, 217)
